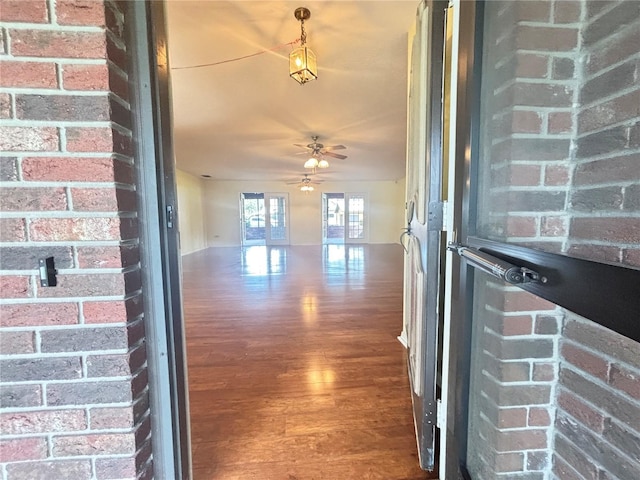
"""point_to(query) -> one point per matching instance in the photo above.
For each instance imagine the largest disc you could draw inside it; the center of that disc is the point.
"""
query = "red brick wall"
(598, 426)
(73, 379)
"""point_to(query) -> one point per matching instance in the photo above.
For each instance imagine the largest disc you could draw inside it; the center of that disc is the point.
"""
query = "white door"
(356, 230)
(277, 218)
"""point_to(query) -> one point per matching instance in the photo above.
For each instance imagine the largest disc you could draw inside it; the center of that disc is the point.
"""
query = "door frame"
(464, 110)
(160, 240)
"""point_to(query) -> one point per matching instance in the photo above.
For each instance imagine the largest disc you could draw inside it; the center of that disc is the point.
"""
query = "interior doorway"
(272, 216)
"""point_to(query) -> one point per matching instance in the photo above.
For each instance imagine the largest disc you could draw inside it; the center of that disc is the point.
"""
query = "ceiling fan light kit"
(311, 163)
(305, 185)
(319, 151)
(303, 66)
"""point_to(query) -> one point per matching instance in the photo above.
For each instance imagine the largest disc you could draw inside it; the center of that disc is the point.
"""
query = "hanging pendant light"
(302, 60)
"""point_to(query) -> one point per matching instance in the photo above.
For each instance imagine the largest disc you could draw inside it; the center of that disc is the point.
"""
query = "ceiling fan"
(318, 152)
(306, 184)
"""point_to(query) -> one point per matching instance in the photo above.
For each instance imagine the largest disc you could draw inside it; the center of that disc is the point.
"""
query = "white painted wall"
(191, 218)
(222, 209)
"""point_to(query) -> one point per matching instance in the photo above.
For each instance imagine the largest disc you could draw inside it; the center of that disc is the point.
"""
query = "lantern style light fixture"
(302, 61)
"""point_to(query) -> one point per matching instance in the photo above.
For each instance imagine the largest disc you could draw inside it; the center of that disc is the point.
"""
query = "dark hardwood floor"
(295, 372)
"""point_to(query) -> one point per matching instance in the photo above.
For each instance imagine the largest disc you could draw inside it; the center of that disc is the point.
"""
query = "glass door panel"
(356, 231)
(277, 230)
(554, 189)
(333, 218)
(253, 222)
(264, 218)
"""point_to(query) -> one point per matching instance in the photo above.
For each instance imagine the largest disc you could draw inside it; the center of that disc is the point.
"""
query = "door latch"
(169, 216)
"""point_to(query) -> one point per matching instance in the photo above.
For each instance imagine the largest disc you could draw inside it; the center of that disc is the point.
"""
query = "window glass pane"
(253, 215)
(558, 168)
(335, 217)
(560, 128)
(277, 218)
(356, 217)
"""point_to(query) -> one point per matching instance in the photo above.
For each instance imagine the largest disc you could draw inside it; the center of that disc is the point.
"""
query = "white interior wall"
(191, 218)
(222, 209)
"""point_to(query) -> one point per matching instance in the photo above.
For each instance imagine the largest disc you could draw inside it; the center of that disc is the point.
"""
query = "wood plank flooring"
(295, 372)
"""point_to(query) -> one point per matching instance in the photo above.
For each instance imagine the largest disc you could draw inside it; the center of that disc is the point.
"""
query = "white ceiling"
(239, 120)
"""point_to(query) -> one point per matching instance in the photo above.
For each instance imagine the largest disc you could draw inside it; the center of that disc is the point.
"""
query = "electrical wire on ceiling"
(272, 49)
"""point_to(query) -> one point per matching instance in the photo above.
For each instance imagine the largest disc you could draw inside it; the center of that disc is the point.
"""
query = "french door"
(264, 218)
(344, 218)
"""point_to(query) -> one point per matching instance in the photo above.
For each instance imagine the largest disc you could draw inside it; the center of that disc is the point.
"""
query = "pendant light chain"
(303, 35)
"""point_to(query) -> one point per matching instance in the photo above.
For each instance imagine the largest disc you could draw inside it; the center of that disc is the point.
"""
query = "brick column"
(74, 393)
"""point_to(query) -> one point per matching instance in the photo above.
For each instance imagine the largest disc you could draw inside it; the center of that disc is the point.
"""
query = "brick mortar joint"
(612, 445)
(608, 68)
(61, 61)
(77, 299)
(51, 27)
(600, 383)
(51, 92)
(610, 359)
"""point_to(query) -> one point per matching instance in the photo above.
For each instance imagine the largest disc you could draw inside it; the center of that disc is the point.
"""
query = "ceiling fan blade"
(300, 145)
(335, 155)
(335, 147)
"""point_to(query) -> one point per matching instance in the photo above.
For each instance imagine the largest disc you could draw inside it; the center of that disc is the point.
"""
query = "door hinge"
(446, 220)
(430, 413)
(440, 414)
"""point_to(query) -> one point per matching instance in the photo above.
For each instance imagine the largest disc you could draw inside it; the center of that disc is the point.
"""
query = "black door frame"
(562, 277)
(159, 239)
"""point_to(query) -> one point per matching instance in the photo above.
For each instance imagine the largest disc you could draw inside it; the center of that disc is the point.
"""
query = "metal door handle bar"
(495, 266)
